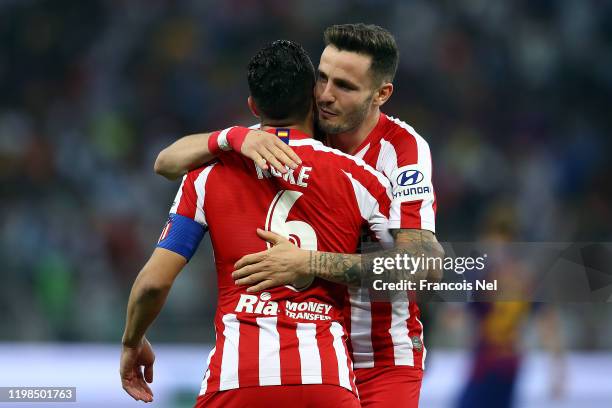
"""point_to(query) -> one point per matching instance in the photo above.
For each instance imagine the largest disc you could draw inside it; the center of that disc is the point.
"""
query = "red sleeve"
(410, 172)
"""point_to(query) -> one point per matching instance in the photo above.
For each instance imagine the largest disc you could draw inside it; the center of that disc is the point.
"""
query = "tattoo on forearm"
(355, 270)
(420, 243)
(340, 268)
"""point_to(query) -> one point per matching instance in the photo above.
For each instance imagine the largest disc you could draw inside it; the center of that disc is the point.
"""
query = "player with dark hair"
(281, 79)
(354, 80)
(358, 42)
(286, 345)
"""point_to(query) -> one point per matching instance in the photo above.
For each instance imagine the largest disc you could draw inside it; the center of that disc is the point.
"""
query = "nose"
(324, 93)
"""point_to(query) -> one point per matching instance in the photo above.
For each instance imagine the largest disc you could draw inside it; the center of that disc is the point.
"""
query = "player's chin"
(330, 126)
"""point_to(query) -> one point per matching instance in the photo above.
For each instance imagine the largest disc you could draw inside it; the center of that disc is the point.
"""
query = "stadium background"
(514, 98)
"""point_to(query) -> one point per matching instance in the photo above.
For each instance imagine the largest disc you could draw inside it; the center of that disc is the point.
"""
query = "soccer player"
(354, 80)
(499, 325)
(286, 345)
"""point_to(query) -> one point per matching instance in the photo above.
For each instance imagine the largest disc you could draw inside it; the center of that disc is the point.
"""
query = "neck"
(302, 127)
(305, 126)
(348, 142)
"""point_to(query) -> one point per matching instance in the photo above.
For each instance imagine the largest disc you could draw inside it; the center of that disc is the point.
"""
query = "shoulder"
(404, 141)
(199, 173)
(401, 134)
(334, 158)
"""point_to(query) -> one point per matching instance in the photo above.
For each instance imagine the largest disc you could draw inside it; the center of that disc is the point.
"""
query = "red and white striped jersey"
(385, 333)
(283, 336)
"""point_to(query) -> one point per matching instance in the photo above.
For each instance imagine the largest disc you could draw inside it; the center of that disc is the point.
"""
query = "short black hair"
(370, 40)
(281, 80)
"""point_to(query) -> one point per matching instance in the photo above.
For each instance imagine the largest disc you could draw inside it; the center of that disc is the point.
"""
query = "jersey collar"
(287, 134)
(375, 135)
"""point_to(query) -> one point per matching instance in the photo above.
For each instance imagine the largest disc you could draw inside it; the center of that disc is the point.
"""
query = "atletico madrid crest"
(165, 231)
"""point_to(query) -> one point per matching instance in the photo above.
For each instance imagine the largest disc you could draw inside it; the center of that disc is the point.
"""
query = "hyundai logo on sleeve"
(410, 178)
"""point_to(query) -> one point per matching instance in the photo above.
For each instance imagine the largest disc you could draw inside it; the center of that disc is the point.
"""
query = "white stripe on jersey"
(370, 211)
(305, 142)
(310, 358)
(207, 375)
(361, 328)
(387, 158)
(177, 198)
(362, 152)
(343, 370)
(428, 216)
(229, 360)
(201, 192)
(402, 344)
(269, 352)
(422, 342)
(316, 145)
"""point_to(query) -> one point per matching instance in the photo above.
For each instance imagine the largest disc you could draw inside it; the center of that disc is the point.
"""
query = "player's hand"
(132, 379)
(283, 264)
(266, 148)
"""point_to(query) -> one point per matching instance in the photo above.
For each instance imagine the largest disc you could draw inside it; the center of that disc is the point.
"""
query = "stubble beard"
(353, 120)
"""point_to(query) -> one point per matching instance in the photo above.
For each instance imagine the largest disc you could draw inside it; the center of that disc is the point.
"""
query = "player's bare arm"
(193, 151)
(418, 242)
(147, 297)
(183, 155)
(285, 264)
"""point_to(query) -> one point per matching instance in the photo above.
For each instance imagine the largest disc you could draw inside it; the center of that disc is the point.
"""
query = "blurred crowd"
(513, 97)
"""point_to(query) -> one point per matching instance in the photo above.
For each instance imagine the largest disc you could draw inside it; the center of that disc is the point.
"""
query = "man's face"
(344, 90)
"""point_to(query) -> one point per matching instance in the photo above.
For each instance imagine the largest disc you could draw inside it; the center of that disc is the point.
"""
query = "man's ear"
(383, 94)
(252, 106)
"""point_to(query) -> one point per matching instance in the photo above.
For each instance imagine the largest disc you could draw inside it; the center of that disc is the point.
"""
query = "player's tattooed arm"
(340, 268)
(192, 151)
(356, 270)
(421, 243)
(286, 264)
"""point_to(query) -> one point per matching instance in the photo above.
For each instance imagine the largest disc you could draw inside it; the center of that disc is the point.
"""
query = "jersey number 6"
(299, 233)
